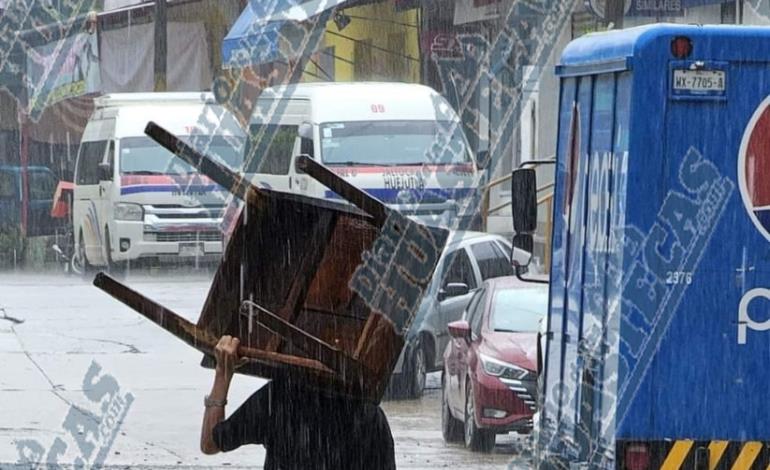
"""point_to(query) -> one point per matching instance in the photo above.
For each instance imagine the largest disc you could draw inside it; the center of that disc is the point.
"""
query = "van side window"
(269, 149)
(91, 155)
(111, 157)
(459, 269)
(492, 261)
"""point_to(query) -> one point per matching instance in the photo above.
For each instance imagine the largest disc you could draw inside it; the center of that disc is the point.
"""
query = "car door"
(453, 358)
(458, 269)
(464, 353)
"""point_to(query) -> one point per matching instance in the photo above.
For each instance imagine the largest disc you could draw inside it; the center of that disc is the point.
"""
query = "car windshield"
(390, 143)
(142, 156)
(518, 310)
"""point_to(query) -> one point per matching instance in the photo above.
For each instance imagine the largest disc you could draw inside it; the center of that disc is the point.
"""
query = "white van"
(402, 143)
(133, 199)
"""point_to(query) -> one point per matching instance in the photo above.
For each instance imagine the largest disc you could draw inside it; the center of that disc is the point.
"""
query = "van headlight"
(128, 211)
(499, 368)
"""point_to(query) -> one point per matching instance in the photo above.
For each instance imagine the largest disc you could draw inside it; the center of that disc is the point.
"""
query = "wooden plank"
(309, 267)
(352, 194)
(378, 349)
(188, 332)
(330, 356)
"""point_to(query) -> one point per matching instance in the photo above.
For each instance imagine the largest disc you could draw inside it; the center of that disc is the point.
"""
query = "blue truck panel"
(661, 261)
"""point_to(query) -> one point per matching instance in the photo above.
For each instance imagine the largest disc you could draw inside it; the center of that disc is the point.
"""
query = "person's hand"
(226, 354)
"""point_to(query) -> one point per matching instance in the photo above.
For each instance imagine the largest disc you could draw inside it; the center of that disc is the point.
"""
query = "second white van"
(403, 143)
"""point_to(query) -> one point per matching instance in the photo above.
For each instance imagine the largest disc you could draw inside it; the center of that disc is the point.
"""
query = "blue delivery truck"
(656, 349)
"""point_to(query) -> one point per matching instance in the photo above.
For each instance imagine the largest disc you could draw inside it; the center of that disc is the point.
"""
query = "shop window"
(399, 67)
(8, 189)
(42, 185)
(362, 59)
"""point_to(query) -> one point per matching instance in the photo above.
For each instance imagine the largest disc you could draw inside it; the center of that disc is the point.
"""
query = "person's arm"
(226, 354)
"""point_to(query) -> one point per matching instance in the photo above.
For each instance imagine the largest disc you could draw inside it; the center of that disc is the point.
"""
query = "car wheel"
(476, 439)
(451, 427)
(418, 371)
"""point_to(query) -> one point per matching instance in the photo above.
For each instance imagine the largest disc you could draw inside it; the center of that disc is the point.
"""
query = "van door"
(89, 214)
(272, 143)
(107, 187)
(458, 270)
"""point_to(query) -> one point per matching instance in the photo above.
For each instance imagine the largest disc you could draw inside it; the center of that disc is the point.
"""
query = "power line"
(318, 66)
(387, 51)
(377, 20)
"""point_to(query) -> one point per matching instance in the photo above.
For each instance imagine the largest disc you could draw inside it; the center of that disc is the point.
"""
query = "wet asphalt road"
(53, 329)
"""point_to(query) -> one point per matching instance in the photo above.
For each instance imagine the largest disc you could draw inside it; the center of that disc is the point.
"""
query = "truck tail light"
(637, 457)
(681, 47)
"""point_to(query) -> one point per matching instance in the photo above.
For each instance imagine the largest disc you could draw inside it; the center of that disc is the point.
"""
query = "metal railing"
(486, 210)
(546, 199)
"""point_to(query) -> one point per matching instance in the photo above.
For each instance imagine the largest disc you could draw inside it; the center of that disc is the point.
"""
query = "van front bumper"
(136, 240)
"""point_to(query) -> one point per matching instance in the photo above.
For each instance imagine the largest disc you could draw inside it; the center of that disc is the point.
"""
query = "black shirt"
(306, 429)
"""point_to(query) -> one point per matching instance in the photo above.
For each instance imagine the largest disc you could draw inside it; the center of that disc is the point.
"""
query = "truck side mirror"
(524, 200)
(104, 171)
(306, 147)
(305, 132)
(522, 241)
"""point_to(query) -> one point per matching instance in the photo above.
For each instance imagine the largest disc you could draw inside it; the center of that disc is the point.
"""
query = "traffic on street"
(380, 234)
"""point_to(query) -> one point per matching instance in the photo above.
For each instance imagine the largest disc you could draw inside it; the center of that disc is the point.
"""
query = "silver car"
(469, 259)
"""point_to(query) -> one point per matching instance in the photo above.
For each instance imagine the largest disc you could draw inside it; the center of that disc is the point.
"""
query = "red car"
(489, 380)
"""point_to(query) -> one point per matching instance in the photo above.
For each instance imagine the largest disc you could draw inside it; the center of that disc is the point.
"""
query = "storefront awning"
(271, 31)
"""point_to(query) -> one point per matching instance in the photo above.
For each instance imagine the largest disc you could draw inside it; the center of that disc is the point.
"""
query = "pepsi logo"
(754, 168)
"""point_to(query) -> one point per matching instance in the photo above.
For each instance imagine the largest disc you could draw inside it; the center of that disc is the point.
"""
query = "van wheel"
(115, 268)
(108, 250)
(476, 439)
(79, 261)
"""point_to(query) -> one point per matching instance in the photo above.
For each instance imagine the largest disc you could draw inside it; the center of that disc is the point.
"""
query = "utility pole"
(161, 45)
(614, 10)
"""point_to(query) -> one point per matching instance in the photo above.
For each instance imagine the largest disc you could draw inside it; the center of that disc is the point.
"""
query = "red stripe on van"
(181, 180)
(344, 170)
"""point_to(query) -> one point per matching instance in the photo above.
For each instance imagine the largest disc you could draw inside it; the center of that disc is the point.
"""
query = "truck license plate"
(699, 80)
(191, 249)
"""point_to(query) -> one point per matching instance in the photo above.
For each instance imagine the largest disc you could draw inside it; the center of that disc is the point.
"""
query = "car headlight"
(128, 211)
(498, 368)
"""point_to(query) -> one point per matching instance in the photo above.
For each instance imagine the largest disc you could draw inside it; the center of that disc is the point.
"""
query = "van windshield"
(143, 156)
(391, 143)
